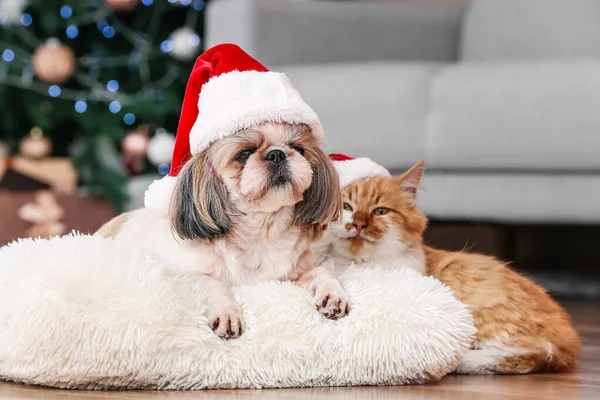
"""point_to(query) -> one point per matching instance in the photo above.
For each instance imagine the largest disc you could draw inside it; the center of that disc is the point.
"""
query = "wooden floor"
(583, 384)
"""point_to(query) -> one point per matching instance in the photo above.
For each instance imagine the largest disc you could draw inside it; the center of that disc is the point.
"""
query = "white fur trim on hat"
(238, 100)
(158, 195)
(354, 170)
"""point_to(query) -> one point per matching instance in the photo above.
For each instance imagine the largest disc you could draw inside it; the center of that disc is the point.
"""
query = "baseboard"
(561, 258)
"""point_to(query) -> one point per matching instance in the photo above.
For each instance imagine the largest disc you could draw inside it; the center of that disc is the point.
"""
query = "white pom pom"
(160, 148)
(158, 195)
(185, 43)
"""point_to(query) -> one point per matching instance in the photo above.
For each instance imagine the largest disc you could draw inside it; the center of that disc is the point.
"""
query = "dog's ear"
(200, 207)
(322, 201)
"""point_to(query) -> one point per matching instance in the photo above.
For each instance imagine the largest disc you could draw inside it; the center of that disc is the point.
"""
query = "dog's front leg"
(330, 298)
(223, 312)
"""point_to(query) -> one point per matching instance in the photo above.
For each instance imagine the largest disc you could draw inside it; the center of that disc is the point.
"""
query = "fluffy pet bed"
(91, 313)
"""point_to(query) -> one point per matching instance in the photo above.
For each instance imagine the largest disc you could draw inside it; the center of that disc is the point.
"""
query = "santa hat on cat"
(228, 91)
(352, 169)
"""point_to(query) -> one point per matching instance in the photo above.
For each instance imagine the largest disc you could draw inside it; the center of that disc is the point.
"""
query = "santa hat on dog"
(228, 91)
(352, 169)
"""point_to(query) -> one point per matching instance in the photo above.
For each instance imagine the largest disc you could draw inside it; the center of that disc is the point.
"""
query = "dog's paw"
(226, 321)
(331, 301)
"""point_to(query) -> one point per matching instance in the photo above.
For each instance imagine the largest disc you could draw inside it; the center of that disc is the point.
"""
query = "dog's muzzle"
(279, 173)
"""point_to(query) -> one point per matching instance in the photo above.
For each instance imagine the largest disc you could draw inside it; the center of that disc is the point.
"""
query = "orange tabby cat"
(520, 329)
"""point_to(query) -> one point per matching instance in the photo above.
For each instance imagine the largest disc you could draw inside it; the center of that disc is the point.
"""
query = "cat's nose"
(359, 225)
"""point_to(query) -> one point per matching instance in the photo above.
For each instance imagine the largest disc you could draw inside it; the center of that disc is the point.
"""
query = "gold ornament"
(122, 5)
(36, 145)
(54, 62)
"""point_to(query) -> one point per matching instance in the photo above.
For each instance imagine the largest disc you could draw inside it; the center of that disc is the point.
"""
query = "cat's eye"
(347, 207)
(243, 155)
(381, 211)
(299, 150)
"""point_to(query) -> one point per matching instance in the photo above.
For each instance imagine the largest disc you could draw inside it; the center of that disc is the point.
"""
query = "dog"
(246, 210)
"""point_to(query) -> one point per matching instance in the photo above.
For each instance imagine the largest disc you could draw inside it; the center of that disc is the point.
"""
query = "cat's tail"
(548, 359)
(502, 359)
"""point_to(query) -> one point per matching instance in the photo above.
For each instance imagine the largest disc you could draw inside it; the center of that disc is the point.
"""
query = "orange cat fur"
(520, 329)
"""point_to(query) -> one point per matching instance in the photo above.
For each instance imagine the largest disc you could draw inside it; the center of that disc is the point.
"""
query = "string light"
(112, 86)
(166, 46)
(72, 31)
(185, 3)
(108, 32)
(129, 119)
(101, 25)
(66, 12)
(96, 92)
(8, 55)
(163, 169)
(199, 5)
(26, 19)
(54, 90)
(114, 107)
(80, 106)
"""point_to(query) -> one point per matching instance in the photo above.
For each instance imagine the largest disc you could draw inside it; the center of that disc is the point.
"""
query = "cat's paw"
(331, 301)
(226, 321)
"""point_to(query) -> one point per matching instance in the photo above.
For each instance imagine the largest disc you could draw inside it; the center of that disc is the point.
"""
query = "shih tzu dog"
(249, 189)
(244, 210)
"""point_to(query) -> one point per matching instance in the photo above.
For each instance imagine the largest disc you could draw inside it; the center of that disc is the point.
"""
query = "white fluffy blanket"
(86, 312)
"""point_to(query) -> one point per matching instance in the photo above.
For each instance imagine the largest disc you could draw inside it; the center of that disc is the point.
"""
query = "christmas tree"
(100, 81)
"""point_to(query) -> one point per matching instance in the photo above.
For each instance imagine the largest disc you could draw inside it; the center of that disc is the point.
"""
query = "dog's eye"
(244, 155)
(347, 207)
(381, 211)
(299, 150)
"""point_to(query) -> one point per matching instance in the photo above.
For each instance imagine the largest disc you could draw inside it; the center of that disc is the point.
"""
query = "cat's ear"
(409, 182)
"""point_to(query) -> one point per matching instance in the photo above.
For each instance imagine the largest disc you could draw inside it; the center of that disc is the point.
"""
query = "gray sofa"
(500, 97)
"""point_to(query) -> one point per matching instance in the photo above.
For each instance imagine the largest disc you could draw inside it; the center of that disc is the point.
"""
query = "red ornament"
(122, 5)
(135, 149)
(135, 144)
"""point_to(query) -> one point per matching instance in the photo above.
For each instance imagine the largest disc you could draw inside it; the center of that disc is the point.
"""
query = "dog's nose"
(359, 225)
(275, 156)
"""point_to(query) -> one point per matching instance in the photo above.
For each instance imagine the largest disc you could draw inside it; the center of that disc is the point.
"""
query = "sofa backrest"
(531, 29)
(292, 32)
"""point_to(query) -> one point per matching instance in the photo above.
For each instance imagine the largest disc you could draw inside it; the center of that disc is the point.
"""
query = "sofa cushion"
(376, 110)
(531, 29)
(511, 198)
(527, 116)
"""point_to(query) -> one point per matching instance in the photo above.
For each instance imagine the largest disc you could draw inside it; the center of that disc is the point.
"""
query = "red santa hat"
(352, 169)
(228, 91)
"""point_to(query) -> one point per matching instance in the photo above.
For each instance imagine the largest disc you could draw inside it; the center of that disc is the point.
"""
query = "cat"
(520, 328)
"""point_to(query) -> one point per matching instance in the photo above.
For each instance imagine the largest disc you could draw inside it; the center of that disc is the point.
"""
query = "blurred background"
(501, 98)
